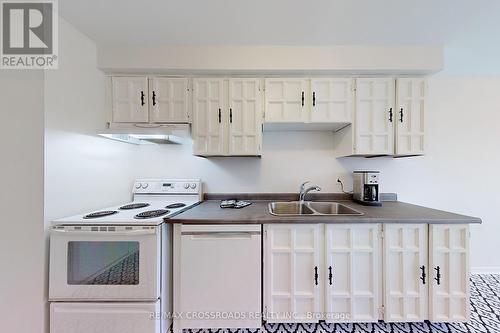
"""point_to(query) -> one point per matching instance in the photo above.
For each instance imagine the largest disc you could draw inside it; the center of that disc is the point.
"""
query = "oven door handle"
(112, 233)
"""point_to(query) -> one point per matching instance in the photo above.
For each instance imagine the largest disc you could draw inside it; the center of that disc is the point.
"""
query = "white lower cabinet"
(306, 281)
(292, 272)
(449, 273)
(352, 265)
(366, 272)
(406, 272)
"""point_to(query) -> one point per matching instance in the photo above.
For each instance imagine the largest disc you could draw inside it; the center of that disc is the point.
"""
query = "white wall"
(82, 171)
(455, 175)
(276, 59)
(21, 201)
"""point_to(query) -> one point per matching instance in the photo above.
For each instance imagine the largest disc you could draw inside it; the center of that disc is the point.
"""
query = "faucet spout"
(303, 193)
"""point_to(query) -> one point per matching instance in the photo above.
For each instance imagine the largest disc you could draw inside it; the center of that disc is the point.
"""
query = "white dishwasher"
(217, 278)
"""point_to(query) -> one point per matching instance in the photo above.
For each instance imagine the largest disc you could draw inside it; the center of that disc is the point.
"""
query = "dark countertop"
(209, 212)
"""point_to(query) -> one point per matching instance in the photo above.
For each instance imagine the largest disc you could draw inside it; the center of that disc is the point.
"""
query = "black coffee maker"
(366, 188)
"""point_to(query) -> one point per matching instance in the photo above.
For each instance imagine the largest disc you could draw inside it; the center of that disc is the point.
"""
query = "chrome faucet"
(303, 191)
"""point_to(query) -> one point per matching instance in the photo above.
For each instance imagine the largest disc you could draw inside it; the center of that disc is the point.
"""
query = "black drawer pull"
(154, 98)
(401, 115)
(438, 275)
(231, 115)
(314, 98)
(142, 98)
(316, 275)
(422, 275)
(220, 115)
(330, 275)
(390, 115)
(302, 98)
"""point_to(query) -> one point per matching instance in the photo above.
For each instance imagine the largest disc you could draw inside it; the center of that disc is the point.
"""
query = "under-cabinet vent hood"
(147, 133)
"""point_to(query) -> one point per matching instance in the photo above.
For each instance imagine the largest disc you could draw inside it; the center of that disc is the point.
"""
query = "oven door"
(105, 263)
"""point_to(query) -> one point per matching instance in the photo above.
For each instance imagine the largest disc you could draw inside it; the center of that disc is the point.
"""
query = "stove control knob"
(186, 186)
(138, 185)
(145, 185)
(193, 186)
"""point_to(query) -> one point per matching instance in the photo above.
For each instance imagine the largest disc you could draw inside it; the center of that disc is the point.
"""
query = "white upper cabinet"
(292, 272)
(169, 100)
(245, 117)
(375, 116)
(286, 100)
(227, 117)
(319, 101)
(130, 99)
(209, 114)
(161, 100)
(331, 100)
(406, 277)
(410, 127)
(449, 273)
(352, 272)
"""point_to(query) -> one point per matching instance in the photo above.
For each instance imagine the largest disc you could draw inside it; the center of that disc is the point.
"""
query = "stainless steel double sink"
(297, 208)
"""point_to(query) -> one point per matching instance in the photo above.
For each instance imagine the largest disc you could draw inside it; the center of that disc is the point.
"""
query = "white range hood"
(147, 133)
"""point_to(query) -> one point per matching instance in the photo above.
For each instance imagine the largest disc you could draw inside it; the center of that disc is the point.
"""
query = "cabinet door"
(410, 96)
(209, 114)
(352, 259)
(291, 260)
(332, 100)
(245, 117)
(449, 273)
(374, 116)
(130, 99)
(169, 100)
(286, 100)
(405, 272)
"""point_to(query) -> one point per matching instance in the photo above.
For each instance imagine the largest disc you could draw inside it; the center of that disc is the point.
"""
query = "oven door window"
(103, 263)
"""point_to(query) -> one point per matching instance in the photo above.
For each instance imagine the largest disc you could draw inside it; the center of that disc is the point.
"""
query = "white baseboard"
(485, 270)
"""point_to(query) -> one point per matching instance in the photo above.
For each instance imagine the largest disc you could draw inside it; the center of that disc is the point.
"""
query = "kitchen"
(70, 170)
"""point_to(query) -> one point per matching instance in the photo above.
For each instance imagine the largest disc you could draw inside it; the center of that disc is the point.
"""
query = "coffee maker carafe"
(366, 188)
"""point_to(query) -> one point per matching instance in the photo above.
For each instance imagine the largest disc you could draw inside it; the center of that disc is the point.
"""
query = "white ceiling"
(279, 22)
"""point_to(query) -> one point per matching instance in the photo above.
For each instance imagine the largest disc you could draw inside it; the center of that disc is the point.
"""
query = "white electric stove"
(154, 200)
(110, 270)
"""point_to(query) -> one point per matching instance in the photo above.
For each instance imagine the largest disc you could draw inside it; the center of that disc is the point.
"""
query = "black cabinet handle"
(302, 98)
(142, 98)
(230, 115)
(438, 275)
(316, 275)
(422, 275)
(154, 98)
(220, 115)
(390, 115)
(314, 98)
(330, 275)
(401, 115)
